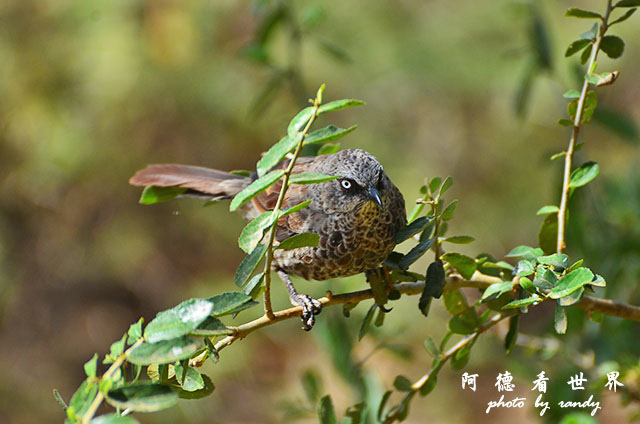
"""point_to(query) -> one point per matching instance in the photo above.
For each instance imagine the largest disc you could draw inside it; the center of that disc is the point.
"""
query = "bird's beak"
(373, 195)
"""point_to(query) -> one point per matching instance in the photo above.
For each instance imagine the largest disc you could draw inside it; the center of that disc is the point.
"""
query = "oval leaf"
(230, 303)
(143, 397)
(276, 153)
(178, 321)
(299, 121)
(465, 265)
(327, 134)
(459, 239)
(311, 178)
(571, 282)
(547, 210)
(339, 105)
(164, 352)
(413, 228)
(249, 264)
(612, 45)
(255, 188)
(415, 253)
(212, 327)
(496, 290)
(300, 240)
(153, 194)
(583, 175)
(581, 13)
(520, 303)
(253, 232)
(114, 419)
(574, 48)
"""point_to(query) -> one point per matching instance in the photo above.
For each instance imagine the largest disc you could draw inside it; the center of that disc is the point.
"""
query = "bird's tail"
(200, 181)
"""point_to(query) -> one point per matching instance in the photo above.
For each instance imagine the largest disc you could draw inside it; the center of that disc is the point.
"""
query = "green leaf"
(545, 279)
(402, 384)
(448, 182)
(117, 348)
(415, 253)
(311, 178)
(366, 322)
(431, 347)
(612, 45)
(512, 334)
(465, 265)
(586, 53)
(276, 153)
(82, 398)
(525, 252)
(574, 48)
(153, 194)
(560, 320)
(571, 282)
(328, 149)
(592, 78)
(383, 403)
(327, 134)
(564, 123)
(558, 260)
(299, 121)
(135, 331)
(429, 385)
(434, 185)
(300, 240)
(448, 212)
(143, 397)
(434, 280)
(254, 286)
(189, 379)
(459, 326)
(178, 321)
(547, 210)
(461, 358)
(548, 234)
(114, 419)
(525, 268)
(458, 239)
(627, 3)
(624, 17)
(255, 188)
(208, 388)
(295, 208)
(326, 412)
(230, 303)
(339, 105)
(598, 281)
(253, 232)
(496, 290)
(454, 302)
(249, 264)
(583, 175)
(592, 33)
(211, 327)
(413, 228)
(91, 366)
(571, 94)
(528, 285)
(572, 298)
(311, 385)
(581, 13)
(521, 303)
(164, 352)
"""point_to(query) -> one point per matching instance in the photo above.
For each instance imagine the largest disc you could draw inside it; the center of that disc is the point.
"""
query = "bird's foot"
(310, 308)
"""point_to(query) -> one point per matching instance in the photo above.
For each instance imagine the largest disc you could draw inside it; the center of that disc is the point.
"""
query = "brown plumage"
(356, 216)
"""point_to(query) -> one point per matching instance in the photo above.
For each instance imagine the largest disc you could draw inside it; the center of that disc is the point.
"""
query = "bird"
(356, 215)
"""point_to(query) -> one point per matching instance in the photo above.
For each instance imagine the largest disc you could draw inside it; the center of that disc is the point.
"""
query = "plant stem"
(268, 308)
(88, 416)
(568, 158)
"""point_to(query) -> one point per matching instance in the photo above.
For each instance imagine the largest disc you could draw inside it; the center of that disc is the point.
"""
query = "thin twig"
(88, 416)
(568, 157)
(479, 281)
(268, 309)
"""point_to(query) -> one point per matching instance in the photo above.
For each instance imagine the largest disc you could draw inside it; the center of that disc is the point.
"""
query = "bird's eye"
(346, 184)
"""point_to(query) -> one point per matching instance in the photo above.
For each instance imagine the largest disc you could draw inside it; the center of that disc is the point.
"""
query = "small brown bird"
(356, 215)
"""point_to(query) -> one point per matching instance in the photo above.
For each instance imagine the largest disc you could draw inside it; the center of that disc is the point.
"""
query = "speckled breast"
(348, 244)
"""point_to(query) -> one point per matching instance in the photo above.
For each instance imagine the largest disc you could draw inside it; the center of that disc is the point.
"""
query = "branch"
(568, 158)
(480, 281)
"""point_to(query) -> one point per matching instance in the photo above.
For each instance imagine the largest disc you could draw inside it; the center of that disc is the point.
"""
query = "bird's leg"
(310, 306)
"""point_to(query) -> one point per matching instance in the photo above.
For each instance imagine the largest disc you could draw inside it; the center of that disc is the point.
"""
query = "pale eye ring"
(346, 184)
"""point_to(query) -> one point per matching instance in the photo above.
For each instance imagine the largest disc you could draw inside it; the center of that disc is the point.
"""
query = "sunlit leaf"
(560, 320)
(153, 194)
(547, 210)
(571, 282)
(249, 264)
(230, 303)
(327, 134)
(574, 48)
(300, 240)
(164, 352)
(255, 188)
(584, 174)
(465, 265)
(496, 290)
(177, 321)
(311, 178)
(253, 232)
(581, 13)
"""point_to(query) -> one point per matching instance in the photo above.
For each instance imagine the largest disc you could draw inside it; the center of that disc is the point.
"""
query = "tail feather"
(202, 180)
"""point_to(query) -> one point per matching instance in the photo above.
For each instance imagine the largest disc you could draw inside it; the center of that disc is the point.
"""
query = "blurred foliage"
(91, 91)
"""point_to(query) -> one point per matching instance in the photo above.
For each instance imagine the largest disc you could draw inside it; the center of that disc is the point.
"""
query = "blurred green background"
(91, 91)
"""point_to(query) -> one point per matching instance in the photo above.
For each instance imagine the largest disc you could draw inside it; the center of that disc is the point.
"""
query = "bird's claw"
(310, 308)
